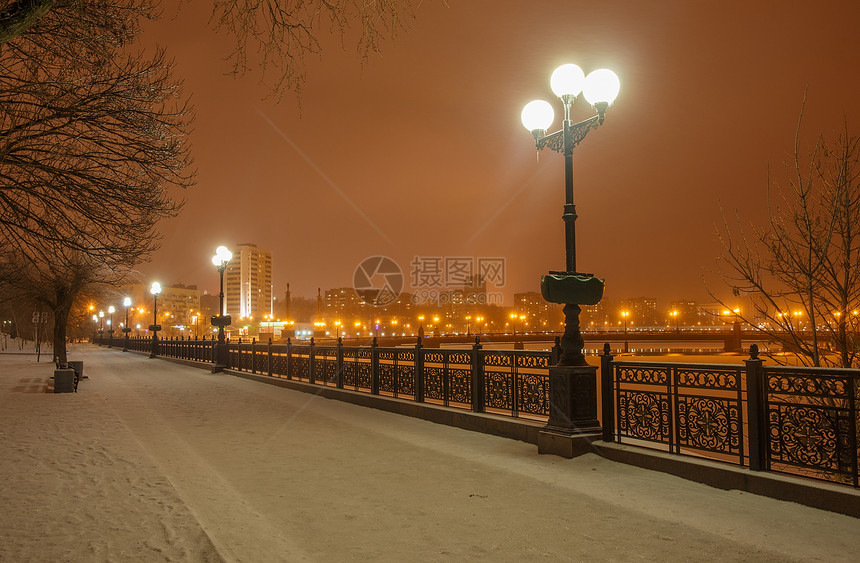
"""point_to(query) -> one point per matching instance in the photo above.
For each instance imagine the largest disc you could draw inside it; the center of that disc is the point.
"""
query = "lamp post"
(624, 315)
(220, 260)
(573, 389)
(600, 88)
(154, 327)
(126, 329)
(95, 326)
(101, 326)
(110, 331)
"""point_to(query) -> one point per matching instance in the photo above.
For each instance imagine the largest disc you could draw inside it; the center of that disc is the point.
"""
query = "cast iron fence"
(506, 382)
(796, 420)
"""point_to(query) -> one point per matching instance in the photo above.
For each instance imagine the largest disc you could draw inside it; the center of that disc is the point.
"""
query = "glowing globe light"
(126, 302)
(222, 256)
(567, 80)
(537, 115)
(155, 289)
(601, 86)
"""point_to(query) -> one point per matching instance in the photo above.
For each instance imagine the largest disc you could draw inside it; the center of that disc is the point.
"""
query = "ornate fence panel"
(811, 422)
(279, 361)
(233, 356)
(448, 377)
(300, 363)
(688, 408)
(357, 369)
(396, 367)
(325, 365)
(516, 383)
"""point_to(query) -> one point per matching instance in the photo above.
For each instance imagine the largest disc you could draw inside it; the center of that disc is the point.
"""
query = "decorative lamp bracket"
(575, 134)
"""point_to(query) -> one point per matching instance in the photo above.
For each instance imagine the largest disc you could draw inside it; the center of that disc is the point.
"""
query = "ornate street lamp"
(573, 405)
(220, 260)
(154, 327)
(570, 287)
(95, 326)
(111, 311)
(126, 329)
(101, 326)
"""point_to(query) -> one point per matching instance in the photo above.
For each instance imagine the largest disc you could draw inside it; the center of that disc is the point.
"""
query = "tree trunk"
(61, 321)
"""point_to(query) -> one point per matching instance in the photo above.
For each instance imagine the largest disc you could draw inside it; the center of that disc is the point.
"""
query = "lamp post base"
(220, 363)
(572, 424)
(566, 445)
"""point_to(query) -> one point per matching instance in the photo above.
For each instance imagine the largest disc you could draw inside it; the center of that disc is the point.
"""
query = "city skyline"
(420, 152)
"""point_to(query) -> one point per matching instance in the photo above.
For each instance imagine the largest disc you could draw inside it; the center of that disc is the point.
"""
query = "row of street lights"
(221, 258)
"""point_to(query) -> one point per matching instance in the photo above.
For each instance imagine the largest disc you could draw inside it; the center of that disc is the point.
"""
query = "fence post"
(477, 377)
(607, 395)
(555, 352)
(756, 411)
(339, 364)
(269, 361)
(419, 371)
(374, 368)
(253, 355)
(289, 354)
(311, 378)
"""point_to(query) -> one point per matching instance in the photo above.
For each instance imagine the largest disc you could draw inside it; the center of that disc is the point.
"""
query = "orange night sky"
(420, 152)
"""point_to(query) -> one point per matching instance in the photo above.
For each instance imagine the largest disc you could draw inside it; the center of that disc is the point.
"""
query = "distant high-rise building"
(248, 282)
(643, 311)
(539, 313)
(686, 313)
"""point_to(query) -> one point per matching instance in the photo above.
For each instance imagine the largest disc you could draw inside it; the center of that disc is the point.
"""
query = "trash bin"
(64, 380)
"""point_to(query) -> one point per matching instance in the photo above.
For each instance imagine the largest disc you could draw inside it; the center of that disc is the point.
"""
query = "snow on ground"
(155, 461)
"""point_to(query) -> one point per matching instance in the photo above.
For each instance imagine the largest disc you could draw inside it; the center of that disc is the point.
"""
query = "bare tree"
(92, 140)
(801, 270)
(53, 279)
(276, 35)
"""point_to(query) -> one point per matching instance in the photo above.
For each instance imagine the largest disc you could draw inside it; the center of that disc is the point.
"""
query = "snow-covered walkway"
(152, 461)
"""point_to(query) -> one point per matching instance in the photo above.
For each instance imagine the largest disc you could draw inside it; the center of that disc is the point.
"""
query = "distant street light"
(624, 315)
(220, 260)
(111, 310)
(126, 329)
(674, 315)
(600, 88)
(101, 326)
(154, 327)
(95, 326)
